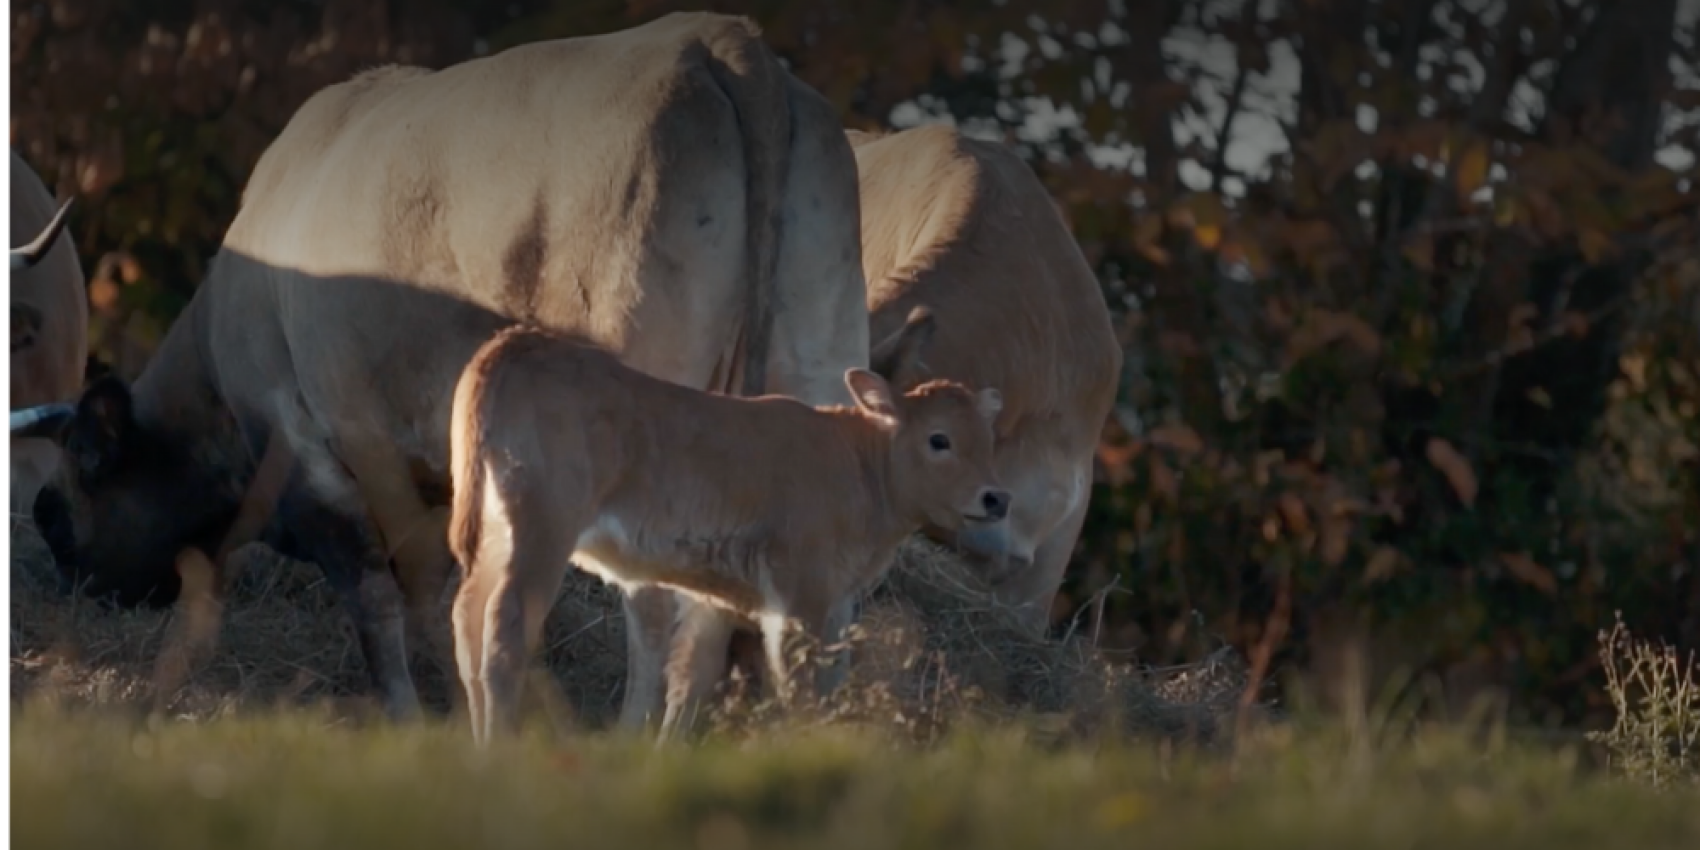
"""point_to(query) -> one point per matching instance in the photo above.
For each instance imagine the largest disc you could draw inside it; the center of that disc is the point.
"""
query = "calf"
(763, 508)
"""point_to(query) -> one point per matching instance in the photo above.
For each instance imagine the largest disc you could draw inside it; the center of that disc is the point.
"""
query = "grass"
(93, 778)
(267, 751)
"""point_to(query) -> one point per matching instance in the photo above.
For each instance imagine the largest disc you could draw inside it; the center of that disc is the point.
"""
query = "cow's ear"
(989, 402)
(871, 392)
(898, 357)
(102, 427)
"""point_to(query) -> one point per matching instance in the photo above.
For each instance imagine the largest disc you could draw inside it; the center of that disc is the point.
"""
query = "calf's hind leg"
(499, 614)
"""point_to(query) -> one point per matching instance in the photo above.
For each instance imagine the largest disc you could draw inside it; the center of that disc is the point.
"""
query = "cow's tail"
(759, 88)
(470, 420)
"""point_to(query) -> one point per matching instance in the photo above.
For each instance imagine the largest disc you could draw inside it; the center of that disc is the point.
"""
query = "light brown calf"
(764, 508)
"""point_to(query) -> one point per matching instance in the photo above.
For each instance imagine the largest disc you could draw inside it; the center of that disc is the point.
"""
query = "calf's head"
(899, 359)
(940, 461)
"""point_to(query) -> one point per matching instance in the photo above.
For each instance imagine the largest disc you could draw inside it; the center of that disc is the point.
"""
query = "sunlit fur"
(765, 508)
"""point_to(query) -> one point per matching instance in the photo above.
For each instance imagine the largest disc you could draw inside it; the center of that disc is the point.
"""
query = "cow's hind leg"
(649, 615)
(346, 549)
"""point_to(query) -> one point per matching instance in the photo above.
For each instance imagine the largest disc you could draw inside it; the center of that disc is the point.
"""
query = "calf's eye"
(939, 442)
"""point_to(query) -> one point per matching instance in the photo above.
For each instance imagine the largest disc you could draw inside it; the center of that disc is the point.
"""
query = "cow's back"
(595, 185)
(55, 315)
(964, 227)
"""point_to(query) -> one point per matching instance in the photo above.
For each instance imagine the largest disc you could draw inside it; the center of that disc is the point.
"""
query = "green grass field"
(97, 779)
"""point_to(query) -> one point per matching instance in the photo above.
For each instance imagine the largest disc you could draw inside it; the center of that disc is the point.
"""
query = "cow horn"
(29, 417)
(27, 256)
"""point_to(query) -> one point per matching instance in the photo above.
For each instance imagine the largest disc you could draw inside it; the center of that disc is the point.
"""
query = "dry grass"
(931, 648)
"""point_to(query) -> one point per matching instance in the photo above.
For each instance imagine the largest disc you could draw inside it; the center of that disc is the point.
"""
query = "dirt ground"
(930, 646)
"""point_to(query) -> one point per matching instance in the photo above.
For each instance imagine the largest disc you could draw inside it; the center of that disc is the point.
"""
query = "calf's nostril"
(996, 503)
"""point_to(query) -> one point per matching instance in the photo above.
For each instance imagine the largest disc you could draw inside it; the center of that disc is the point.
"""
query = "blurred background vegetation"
(1410, 289)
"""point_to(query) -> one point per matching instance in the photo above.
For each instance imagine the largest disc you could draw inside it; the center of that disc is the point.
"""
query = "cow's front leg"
(791, 639)
(835, 648)
(346, 549)
(649, 630)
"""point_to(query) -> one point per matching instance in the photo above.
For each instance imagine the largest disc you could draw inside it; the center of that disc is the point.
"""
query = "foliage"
(91, 780)
(1421, 376)
(1656, 694)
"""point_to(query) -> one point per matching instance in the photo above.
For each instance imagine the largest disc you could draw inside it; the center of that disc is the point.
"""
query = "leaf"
(1177, 437)
(1336, 539)
(1321, 327)
(1247, 253)
(1147, 229)
(1634, 366)
(1198, 209)
(1455, 467)
(1527, 571)
(1382, 564)
(1293, 513)
(1596, 246)
(1471, 172)
(1419, 251)
(1208, 236)
(1178, 344)
(1163, 480)
(1154, 253)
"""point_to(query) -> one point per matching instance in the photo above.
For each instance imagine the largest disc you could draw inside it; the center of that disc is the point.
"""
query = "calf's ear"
(98, 433)
(871, 392)
(898, 357)
(989, 402)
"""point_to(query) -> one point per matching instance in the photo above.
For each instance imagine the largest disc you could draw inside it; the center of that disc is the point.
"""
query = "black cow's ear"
(102, 428)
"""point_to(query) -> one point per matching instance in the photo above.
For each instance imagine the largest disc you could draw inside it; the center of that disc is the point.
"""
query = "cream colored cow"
(965, 229)
(669, 191)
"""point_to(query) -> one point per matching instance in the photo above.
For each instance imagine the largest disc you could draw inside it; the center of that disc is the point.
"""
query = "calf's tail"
(470, 420)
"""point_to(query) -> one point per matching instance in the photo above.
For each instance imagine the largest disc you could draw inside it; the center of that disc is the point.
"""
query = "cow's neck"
(177, 401)
(889, 517)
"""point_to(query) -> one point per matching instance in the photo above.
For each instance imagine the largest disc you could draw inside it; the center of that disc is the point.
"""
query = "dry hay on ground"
(930, 647)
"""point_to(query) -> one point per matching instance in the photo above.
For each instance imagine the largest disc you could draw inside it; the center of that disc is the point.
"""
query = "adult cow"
(49, 340)
(964, 228)
(668, 191)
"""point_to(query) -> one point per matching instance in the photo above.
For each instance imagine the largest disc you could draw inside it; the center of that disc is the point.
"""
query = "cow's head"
(941, 470)
(143, 493)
